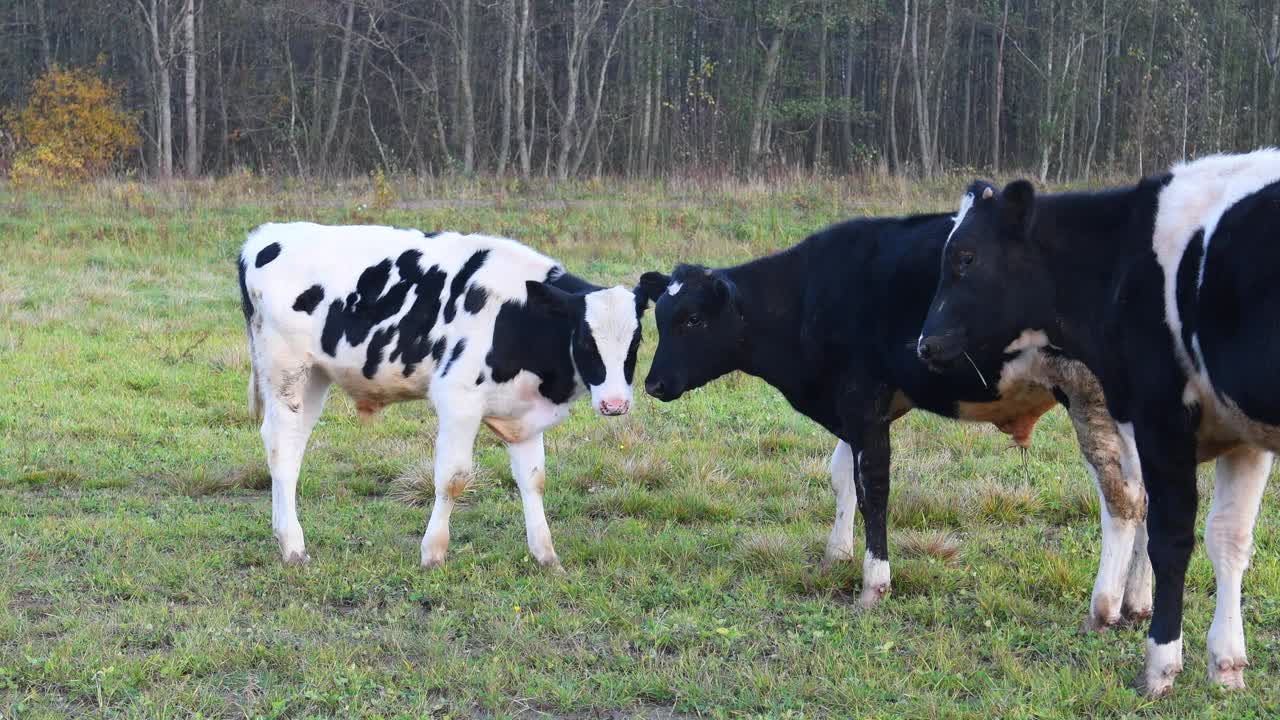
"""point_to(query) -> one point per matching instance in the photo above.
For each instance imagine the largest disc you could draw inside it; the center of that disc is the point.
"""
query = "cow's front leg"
(871, 477)
(528, 467)
(454, 442)
(840, 544)
(1228, 534)
(1167, 452)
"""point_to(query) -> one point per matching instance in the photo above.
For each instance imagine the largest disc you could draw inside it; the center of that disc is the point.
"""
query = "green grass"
(140, 577)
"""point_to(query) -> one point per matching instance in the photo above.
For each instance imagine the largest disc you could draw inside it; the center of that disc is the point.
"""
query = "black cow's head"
(701, 330)
(605, 338)
(993, 284)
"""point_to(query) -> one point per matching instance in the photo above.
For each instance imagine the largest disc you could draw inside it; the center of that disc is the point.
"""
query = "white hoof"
(292, 547)
(1228, 672)
(1104, 613)
(1164, 662)
(835, 556)
(872, 596)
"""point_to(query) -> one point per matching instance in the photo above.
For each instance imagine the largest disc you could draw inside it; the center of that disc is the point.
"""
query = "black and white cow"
(1166, 291)
(491, 331)
(832, 323)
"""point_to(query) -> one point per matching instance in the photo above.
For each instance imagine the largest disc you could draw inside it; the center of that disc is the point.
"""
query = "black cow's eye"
(964, 259)
(693, 320)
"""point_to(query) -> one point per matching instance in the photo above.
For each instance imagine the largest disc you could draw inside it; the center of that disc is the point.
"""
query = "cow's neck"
(1089, 241)
(771, 290)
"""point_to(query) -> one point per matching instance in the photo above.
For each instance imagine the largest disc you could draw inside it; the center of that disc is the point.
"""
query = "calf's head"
(701, 329)
(604, 339)
(993, 284)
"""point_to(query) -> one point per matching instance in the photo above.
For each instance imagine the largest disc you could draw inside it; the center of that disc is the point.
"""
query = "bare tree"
(344, 58)
(191, 159)
(998, 105)
(161, 31)
(759, 108)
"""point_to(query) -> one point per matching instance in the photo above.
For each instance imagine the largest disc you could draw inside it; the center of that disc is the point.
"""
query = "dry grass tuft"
(416, 486)
(201, 482)
(941, 544)
(763, 548)
(1006, 504)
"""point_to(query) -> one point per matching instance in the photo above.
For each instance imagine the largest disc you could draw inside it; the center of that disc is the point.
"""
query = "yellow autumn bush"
(73, 127)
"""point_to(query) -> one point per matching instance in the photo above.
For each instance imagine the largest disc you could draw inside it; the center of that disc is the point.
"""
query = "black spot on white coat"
(475, 299)
(308, 299)
(459, 282)
(267, 254)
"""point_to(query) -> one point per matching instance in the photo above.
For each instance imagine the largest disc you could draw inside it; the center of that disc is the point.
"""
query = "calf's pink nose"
(614, 407)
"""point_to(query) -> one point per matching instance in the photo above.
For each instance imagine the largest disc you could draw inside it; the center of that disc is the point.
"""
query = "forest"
(1059, 89)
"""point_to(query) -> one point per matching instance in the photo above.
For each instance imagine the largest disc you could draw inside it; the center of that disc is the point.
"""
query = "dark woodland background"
(1061, 89)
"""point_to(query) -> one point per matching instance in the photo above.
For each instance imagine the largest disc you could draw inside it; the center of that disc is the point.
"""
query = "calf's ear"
(1017, 202)
(549, 299)
(652, 285)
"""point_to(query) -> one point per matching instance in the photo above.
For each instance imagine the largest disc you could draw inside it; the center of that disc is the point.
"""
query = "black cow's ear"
(652, 285)
(549, 299)
(1016, 204)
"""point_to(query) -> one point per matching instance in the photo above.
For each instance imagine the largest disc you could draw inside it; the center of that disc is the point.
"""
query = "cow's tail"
(246, 305)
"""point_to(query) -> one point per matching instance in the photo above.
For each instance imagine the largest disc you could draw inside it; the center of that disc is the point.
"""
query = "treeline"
(1061, 88)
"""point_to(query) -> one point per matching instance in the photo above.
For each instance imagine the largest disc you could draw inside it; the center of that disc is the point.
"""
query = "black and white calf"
(491, 331)
(833, 323)
(1166, 291)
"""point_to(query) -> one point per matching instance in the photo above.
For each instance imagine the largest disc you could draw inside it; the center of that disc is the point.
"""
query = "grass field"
(141, 579)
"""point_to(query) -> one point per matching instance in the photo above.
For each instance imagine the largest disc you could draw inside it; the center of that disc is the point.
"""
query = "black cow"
(833, 323)
(1166, 291)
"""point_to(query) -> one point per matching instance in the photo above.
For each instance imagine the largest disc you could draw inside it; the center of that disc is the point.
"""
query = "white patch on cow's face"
(674, 287)
(966, 203)
(1028, 340)
(611, 316)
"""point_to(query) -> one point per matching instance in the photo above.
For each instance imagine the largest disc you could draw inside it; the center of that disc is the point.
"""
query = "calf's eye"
(964, 258)
(693, 320)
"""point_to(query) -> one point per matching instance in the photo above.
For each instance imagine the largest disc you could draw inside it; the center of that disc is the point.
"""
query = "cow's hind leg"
(528, 467)
(840, 544)
(1137, 584)
(294, 399)
(454, 443)
(1228, 533)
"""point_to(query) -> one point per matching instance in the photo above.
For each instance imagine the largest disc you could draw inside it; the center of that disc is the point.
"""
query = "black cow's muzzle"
(940, 352)
(663, 389)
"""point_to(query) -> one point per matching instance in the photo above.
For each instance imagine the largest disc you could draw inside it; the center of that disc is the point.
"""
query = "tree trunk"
(468, 100)
(585, 15)
(46, 55)
(504, 93)
(968, 95)
(893, 90)
(590, 135)
(997, 106)
(1146, 90)
(846, 112)
(759, 107)
(335, 108)
(1102, 78)
(922, 98)
(161, 56)
(819, 125)
(191, 159)
(522, 140)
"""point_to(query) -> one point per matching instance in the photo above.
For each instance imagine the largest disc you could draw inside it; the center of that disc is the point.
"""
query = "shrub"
(73, 127)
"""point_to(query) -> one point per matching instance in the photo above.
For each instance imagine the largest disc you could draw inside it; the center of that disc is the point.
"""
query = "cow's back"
(381, 310)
